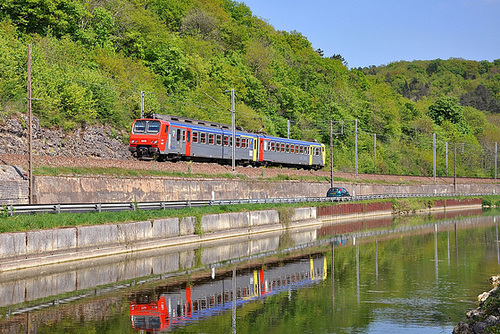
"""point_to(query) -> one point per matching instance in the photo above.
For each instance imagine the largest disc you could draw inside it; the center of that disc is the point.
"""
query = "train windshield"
(146, 322)
(146, 126)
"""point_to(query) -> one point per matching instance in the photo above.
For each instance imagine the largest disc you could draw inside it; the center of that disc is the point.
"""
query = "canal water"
(415, 274)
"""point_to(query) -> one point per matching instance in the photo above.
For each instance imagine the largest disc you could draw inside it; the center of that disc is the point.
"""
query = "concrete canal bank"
(42, 247)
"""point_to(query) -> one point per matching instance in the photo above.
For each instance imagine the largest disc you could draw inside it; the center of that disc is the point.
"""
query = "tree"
(448, 109)
(59, 17)
(481, 98)
(339, 57)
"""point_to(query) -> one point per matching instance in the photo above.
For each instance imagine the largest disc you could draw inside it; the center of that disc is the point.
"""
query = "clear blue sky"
(368, 32)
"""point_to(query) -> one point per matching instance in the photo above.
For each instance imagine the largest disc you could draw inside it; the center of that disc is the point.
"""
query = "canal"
(412, 274)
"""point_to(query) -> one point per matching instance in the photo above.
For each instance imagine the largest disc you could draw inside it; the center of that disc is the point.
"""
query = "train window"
(287, 148)
(238, 142)
(195, 137)
(211, 138)
(273, 146)
(139, 126)
(203, 138)
(153, 126)
(166, 128)
(178, 134)
(265, 146)
(282, 147)
(226, 140)
(219, 139)
(184, 135)
(301, 149)
(231, 141)
(244, 143)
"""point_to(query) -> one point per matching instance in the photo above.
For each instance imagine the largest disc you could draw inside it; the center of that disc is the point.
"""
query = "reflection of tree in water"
(286, 240)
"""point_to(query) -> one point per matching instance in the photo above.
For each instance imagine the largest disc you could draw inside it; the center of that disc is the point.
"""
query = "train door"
(163, 139)
(175, 143)
(188, 142)
(261, 149)
(311, 152)
(254, 149)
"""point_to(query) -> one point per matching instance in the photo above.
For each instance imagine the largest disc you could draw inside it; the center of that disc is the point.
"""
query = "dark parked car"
(337, 192)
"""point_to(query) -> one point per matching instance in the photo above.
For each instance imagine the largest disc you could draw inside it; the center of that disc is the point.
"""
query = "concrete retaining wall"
(49, 189)
(54, 241)
(101, 189)
(13, 192)
(238, 220)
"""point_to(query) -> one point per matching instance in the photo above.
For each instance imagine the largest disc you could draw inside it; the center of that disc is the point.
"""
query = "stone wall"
(50, 189)
(101, 189)
(13, 186)
(107, 189)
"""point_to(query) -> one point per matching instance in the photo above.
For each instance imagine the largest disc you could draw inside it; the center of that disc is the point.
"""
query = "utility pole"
(434, 156)
(496, 160)
(233, 133)
(375, 153)
(455, 169)
(446, 158)
(331, 154)
(142, 104)
(30, 150)
(356, 144)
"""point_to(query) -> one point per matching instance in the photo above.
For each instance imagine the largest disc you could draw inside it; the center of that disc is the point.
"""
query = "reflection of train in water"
(206, 298)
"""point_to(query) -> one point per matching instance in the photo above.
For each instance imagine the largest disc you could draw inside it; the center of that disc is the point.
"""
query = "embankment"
(36, 248)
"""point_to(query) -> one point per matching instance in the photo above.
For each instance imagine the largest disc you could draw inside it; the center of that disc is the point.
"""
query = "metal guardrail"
(13, 209)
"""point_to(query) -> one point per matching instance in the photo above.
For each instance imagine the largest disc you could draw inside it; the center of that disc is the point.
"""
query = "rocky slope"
(89, 141)
(485, 318)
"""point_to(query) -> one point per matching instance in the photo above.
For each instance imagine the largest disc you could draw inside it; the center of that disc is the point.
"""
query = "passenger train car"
(165, 137)
(208, 297)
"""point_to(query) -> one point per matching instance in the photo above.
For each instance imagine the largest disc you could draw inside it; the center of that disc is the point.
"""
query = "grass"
(114, 171)
(19, 223)
(123, 172)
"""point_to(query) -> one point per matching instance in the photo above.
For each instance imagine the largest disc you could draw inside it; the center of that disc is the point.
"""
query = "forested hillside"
(91, 59)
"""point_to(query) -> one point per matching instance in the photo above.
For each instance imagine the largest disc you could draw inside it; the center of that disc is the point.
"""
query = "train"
(173, 138)
(211, 297)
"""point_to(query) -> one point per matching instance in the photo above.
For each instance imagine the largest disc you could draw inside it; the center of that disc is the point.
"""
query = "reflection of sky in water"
(377, 327)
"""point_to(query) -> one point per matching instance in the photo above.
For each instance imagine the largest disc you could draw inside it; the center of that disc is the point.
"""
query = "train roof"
(193, 121)
(222, 128)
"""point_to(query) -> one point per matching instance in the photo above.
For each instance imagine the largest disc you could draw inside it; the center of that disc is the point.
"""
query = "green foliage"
(58, 17)
(492, 201)
(92, 59)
